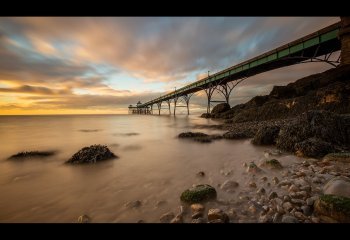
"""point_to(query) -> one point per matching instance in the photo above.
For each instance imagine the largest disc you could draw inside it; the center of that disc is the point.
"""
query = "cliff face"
(329, 91)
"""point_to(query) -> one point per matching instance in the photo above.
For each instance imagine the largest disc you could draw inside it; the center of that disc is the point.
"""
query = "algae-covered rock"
(340, 157)
(253, 168)
(92, 154)
(34, 154)
(272, 164)
(313, 147)
(266, 135)
(199, 193)
(332, 208)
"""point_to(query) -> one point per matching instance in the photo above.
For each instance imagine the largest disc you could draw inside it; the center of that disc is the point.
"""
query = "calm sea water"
(153, 166)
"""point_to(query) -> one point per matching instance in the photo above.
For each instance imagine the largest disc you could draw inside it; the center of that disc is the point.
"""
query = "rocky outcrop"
(32, 154)
(339, 157)
(220, 108)
(314, 134)
(198, 193)
(332, 208)
(92, 154)
(266, 135)
(200, 137)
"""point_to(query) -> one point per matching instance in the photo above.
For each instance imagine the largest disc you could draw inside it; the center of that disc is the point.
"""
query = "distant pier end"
(139, 109)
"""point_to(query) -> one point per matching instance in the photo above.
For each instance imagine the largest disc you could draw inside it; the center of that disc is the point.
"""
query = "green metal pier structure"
(315, 47)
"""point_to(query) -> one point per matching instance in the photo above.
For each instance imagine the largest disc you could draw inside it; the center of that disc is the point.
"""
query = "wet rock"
(310, 201)
(333, 208)
(214, 214)
(293, 188)
(220, 108)
(253, 168)
(277, 217)
(264, 179)
(252, 209)
(200, 174)
(192, 135)
(261, 191)
(198, 220)
(339, 186)
(315, 220)
(229, 186)
(197, 215)
(298, 202)
(92, 154)
(289, 219)
(300, 215)
(252, 184)
(275, 180)
(266, 135)
(32, 154)
(287, 206)
(306, 210)
(177, 219)
(133, 204)
(197, 207)
(339, 157)
(272, 164)
(199, 193)
(206, 115)
(313, 147)
(232, 214)
(236, 135)
(167, 217)
(273, 195)
(84, 219)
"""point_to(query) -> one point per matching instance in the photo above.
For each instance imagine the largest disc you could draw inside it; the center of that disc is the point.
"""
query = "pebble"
(293, 188)
(298, 202)
(287, 206)
(275, 180)
(84, 219)
(276, 218)
(289, 219)
(252, 209)
(216, 213)
(300, 215)
(264, 179)
(273, 195)
(286, 198)
(261, 191)
(167, 217)
(252, 185)
(200, 174)
(310, 201)
(198, 220)
(306, 210)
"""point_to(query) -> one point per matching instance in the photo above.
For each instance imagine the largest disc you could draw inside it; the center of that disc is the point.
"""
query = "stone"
(216, 221)
(306, 210)
(200, 174)
(177, 219)
(261, 191)
(310, 201)
(313, 147)
(84, 219)
(252, 184)
(199, 193)
(272, 164)
(315, 220)
(229, 186)
(266, 135)
(273, 195)
(298, 202)
(167, 217)
(289, 219)
(92, 154)
(133, 204)
(220, 108)
(197, 207)
(339, 186)
(275, 180)
(32, 154)
(232, 213)
(287, 206)
(339, 157)
(197, 215)
(264, 179)
(300, 215)
(253, 168)
(252, 209)
(277, 217)
(236, 135)
(216, 213)
(198, 220)
(293, 188)
(333, 208)
(161, 203)
(286, 198)
(316, 180)
(279, 209)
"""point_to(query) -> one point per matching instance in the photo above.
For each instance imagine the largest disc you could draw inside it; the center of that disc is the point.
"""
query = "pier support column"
(209, 91)
(169, 101)
(344, 35)
(159, 104)
(187, 98)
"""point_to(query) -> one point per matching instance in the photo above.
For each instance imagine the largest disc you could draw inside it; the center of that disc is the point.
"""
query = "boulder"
(266, 135)
(237, 135)
(31, 154)
(220, 108)
(339, 186)
(198, 193)
(332, 208)
(200, 137)
(339, 157)
(92, 154)
(313, 147)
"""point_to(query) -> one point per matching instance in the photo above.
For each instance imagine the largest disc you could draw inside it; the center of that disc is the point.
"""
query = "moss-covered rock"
(313, 147)
(32, 154)
(266, 135)
(340, 157)
(332, 208)
(200, 137)
(253, 168)
(92, 154)
(199, 193)
(272, 164)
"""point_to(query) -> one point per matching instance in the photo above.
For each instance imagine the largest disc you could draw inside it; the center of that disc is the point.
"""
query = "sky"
(100, 65)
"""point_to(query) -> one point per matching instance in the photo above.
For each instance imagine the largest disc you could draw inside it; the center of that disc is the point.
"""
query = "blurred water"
(153, 166)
